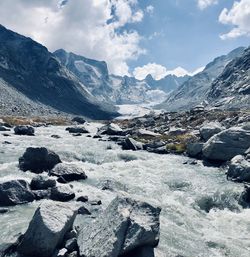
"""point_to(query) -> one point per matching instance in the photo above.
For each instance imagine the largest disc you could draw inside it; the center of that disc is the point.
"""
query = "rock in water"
(42, 182)
(24, 130)
(194, 149)
(210, 129)
(15, 192)
(47, 228)
(79, 130)
(38, 160)
(79, 120)
(69, 172)
(111, 130)
(62, 193)
(227, 144)
(239, 169)
(131, 144)
(124, 226)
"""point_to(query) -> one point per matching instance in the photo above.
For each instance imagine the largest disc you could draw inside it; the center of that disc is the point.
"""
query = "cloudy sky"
(135, 37)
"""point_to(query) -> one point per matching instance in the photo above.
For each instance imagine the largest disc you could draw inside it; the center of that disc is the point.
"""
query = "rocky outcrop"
(210, 129)
(128, 224)
(15, 192)
(46, 230)
(69, 172)
(239, 169)
(42, 182)
(227, 144)
(38, 160)
(24, 130)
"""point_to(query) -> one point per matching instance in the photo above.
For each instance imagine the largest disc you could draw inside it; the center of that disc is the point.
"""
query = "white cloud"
(158, 71)
(150, 9)
(239, 17)
(86, 27)
(203, 4)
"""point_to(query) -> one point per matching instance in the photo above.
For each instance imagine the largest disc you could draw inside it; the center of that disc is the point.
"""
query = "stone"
(83, 211)
(194, 149)
(111, 130)
(42, 182)
(210, 129)
(15, 192)
(76, 130)
(69, 172)
(79, 120)
(71, 245)
(62, 193)
(131, 144)
(38, 160)
(42, 194)
(3, 128)
(82, 199)
(128, 225)
(47, 228)
(24, 130)
(227, 144)
(55, 136)
(239, 169)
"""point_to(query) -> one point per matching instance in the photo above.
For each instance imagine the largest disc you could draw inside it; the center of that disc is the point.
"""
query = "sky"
(135, 37)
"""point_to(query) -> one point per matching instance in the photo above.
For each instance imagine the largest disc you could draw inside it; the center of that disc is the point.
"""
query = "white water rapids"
(162, 180)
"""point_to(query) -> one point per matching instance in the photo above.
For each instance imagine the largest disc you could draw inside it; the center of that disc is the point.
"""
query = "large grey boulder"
(42, 182)
(124, 226)
(38, 160)
(227, 144)
(47, 228)
(69, 172)
(111, 130)
(24, 130)
(62, 193)
(15, 192)
(210, 129)
(239, 169)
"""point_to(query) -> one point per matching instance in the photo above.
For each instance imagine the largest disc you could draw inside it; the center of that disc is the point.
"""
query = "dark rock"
(83, 211)
(71, 234)
(46, 230)
(131, 144)
(244, 200)
(124, 227)
(2, 128)
(79, 120)
(62, 193)
(97, 136)
(111, 130)
(55, 136)
(77, 135)
(24, 130)
(76, 130)
(194, 149)
(227, 144)
(239, 169)
(69, 172)
(7, 143)
(145, 251)
(38, 160)
(62, 180)
(95, 202)
(15, 192)
(42, 194)
(71, 245)
(42, 182)
(82, 199)
(3, 210)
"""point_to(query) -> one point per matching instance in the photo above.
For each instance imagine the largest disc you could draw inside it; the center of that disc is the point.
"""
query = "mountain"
(195, 90)
(33, 74)
(117, 89)
(231, 89)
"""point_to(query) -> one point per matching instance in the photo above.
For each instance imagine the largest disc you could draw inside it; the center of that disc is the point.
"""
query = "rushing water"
(162, 180)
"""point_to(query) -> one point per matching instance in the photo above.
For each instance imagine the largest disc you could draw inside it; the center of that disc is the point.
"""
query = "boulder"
(210, 129)
(15, 192)
(194, 149)
(158, 150)
(77, 130)
(127, 224)
(131, 144)
(24, 130)
(38, 160)
(227, 144)
(239, 169)
(42, 194)
(79, 120)
(2, 128)
(62, 193)
(68, 172)
(111, 130)
(47, 228)
(42, 182)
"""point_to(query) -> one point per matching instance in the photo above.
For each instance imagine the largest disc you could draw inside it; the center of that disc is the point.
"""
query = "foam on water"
(163, 180)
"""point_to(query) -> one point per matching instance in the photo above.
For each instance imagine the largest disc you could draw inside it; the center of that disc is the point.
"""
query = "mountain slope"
(195, 90)
(31, 70)
(231, 89)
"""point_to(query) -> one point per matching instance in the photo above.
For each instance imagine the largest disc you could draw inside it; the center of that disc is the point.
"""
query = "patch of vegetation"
(178, 148)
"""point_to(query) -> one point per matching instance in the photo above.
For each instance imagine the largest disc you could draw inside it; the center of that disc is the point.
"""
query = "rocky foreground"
(68, 225)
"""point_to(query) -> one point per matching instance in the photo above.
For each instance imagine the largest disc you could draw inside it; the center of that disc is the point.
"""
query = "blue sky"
(135, 37)
(186, 36)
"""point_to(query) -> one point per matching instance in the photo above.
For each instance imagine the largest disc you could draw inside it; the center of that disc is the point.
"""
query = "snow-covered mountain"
(196, 89)
(32, 76)
(117, 89)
